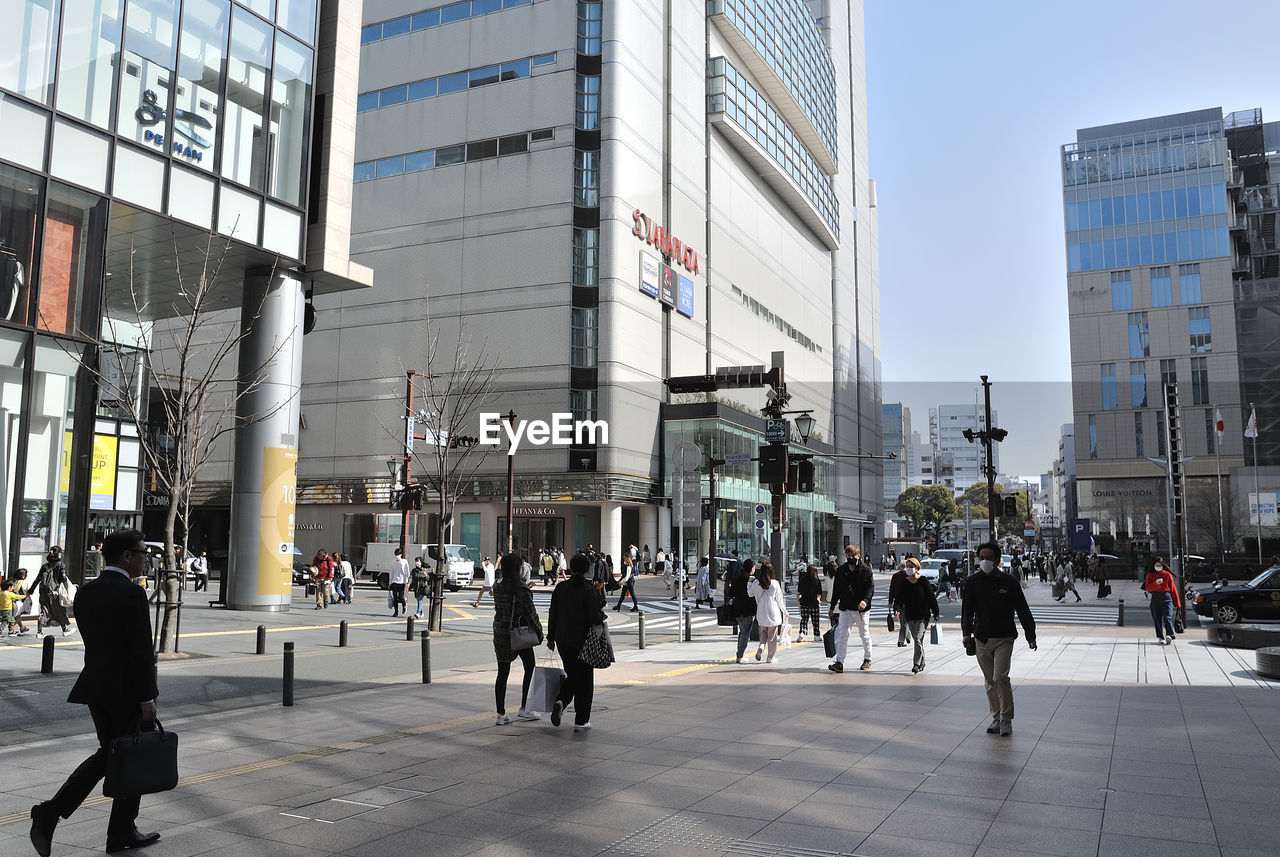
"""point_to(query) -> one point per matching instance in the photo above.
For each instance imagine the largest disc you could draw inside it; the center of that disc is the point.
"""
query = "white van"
(459, 569)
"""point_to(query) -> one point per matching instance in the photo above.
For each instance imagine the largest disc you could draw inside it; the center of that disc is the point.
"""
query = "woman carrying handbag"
(514, 617)
(577, 608)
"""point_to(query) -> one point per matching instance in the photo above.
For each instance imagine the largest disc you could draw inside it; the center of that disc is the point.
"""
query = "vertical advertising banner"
(684, 302)
(102, 480)
(275, 529)
(650, 273)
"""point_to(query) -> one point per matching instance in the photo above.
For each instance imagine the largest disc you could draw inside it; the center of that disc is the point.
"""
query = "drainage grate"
(10, 692)
(748, 848)
(673, 830)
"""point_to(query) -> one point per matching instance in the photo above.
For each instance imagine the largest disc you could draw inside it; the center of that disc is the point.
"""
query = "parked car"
(1256, 601)
(932, 568)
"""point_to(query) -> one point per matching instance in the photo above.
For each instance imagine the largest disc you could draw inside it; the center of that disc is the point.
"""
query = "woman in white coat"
(771, 609)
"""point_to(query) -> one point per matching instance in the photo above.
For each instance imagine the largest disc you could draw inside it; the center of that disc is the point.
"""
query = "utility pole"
(987, 436)
(408, 460)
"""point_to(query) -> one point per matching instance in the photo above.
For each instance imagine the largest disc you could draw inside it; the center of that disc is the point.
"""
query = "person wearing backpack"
(52, 581)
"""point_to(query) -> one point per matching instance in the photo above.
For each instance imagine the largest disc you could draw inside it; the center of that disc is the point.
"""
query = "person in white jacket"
(771, 609)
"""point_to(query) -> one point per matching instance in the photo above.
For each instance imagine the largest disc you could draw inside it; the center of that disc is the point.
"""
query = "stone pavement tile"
(487, 823)
(251, 821)
(410, 843)
(1237, 851)
(710, 780)
(1143, 824)
(732, 764)
(1047, 791)
(732, 802)
(963, 785)
(942, 828)
(512, 848)
(1122, 781)
(649, 793)
(1248, 792)
(247, 846)
(1047, 774)
(881, 845)
(807, 771)
(1062, 841)
(799, 835)
(1050, 815)
(995, 851)
(875, 795)
(411, 813)
(557, 837)
(843, 816)
(598, 785)
(516, 774)
(1252, 834)
(638, 771)
(1118, 845)
(337, 838)
(1155, 804)
(862, 775)
(631, 816)
(957, 806)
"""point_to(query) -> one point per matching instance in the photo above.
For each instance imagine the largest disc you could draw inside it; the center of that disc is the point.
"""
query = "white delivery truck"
(459, 569)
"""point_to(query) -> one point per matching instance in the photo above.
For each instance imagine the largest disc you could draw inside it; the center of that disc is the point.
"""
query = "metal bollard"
(1120, 614)
(262, 640)
(408, 629)
(688, 625)
(426, 656)
(288, 674)
(342, 634)
(640, 629)
(46, 657)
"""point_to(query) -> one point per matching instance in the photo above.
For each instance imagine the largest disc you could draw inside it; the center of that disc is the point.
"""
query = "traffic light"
(773, 464)
(1011, 506)
(462, 441)
(706, 508)
(800, 476)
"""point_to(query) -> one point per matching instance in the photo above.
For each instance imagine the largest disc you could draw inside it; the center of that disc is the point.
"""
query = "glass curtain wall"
(248, 63)
(150, 50)
(90, 53)
(28, 45)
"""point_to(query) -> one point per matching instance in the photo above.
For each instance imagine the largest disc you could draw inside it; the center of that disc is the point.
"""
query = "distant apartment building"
(920, 470)
(896, 433)
(1173, 276)
(957, 462)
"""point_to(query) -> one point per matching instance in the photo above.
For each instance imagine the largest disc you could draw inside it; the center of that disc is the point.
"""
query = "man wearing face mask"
(991, 598)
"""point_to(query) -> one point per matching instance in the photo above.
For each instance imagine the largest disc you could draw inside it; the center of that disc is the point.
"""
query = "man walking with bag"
(118, 684)
(991, 598)
(851, 595)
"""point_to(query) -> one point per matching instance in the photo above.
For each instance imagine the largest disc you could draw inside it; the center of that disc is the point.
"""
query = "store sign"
(650, 274)
(684, 300)
(533, 511)
(664, 242)
(150, 114)
(667, 286)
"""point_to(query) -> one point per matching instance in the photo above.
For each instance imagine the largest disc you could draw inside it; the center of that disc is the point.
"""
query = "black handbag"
(142, 763)
(597, 650)
(888, 620)
(724, 615)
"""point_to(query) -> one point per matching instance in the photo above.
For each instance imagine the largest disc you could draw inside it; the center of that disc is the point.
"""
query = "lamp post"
(988, 436)
(510, 419)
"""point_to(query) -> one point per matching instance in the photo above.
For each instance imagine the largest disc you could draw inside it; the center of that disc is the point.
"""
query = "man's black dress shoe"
(44, 818)
(133, 840)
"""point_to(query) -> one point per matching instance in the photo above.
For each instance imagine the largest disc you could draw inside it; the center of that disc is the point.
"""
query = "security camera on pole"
(988, 436)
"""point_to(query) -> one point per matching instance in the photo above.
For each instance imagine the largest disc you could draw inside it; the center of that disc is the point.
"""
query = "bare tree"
(1207, 524)
(169, 367)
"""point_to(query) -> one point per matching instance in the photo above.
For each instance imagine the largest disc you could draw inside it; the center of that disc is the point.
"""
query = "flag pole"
(1217, 455)
(1253, 425)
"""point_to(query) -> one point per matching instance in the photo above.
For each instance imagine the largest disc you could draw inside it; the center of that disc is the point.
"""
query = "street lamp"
(393, 468)
(804, 425)
(510, 420)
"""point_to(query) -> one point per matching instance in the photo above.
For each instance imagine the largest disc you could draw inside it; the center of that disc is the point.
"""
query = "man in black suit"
(118, 683)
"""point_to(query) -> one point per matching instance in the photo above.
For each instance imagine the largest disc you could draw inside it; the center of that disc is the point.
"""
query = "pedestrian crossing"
(1051, 614)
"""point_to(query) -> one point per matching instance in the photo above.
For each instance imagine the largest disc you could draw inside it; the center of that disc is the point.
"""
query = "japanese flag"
(1218, 425)
(1251, 430)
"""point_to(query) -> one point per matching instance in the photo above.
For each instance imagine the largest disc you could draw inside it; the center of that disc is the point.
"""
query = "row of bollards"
(1120, 614)
(287, 695)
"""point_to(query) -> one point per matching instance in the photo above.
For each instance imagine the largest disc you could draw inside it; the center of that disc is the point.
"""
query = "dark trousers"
(628, 588)
(504, 671)
(578, 686)
(109, 723)
(202, 582)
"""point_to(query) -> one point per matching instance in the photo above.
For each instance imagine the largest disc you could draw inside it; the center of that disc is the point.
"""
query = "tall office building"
(597, 196)
(133, 131)
(1172, 277)
(957, 462)
(896, 435)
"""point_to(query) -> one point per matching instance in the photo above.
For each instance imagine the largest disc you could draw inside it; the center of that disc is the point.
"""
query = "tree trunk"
(171, 596)
(171, 592)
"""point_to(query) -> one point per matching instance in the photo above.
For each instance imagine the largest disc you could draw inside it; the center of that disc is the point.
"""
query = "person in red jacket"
(1163, 589)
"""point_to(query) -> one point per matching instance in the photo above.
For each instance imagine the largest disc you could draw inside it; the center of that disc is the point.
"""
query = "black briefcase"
(829, 642)
(724, 616)
(142, 763)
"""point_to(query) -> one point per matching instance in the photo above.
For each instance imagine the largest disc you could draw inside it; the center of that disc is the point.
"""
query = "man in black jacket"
(851, 593)
(991, 598)
(118, 684)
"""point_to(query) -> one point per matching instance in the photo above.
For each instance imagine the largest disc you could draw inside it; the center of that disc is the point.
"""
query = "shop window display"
(75, 233)
(19, 212)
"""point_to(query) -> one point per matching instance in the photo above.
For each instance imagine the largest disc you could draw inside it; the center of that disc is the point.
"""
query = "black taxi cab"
(1256, 601)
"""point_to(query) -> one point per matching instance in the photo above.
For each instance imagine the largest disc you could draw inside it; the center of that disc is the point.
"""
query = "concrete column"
(664, 530)
(264, 482)
(649, 529)
(611, 532)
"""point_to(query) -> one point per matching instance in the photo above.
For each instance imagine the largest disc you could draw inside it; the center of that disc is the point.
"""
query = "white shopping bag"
(544, 688)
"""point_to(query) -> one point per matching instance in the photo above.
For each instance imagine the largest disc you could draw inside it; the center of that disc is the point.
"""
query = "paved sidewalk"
(1121, 749)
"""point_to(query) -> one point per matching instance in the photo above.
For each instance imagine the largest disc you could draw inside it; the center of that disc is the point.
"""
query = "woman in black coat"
(576, 607)
(52, 576)
(512, 602)
(743, 605)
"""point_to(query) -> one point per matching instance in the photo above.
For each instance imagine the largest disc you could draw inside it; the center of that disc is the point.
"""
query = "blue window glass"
(1161, 287)
(1219, 199)
(1145, 242)
(1139, 335)
(510, 4)
(371, 33)
(1144, 207)
(453, 82)
(1197, 243)
(1122, 252)
(1135, 254)
(1138, 385)
(1199, 330)
(1157, 248)
(1095, 252)
(1131, 208)
(1110, 395)
(1184, 244)
(426, 20)
(1167, 204)
(1082, 213)
(483, 76)
(484, 7)
(544, 59)
(1109, 253)
(391, 95)
(446, 155)
(398, 27)
(1105, 206)
(456, 12)
(513, 70)
(368, 101)
(1121, 290)
(1180, 202)
(1073, 257)
(1086, 261)
(1189, 283)
(365, 171)
(420, 161)
(1093, 436)
(390, 166)
(422, 89)
(1095, 213)
(1070, 216)
(1193, 202)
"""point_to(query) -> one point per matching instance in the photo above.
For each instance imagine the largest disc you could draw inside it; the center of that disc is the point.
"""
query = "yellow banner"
(102, 479)
(275, 527)
(66, 462)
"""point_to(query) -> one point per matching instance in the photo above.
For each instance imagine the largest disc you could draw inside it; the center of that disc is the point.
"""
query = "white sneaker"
(772, 660)
(526, 714)
(68, 632)
(502, 720)
(581, 727)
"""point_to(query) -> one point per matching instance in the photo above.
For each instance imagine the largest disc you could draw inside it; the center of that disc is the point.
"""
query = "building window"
(586, 179)
(90, 52)
(1110, 398)
(1093, 435)
(1210, 432)
(1160, 433)
(1138, 384)
(589, 27)
(1199, 380)
(1139, 335)
(1121, 290)
(1137, 436)
(1168, 374)
(585, 341)
(1189, 283)
(30, 44)
(586, 257)
(583, 404)
(1198, 328)
(587, 103)
(1161, 287)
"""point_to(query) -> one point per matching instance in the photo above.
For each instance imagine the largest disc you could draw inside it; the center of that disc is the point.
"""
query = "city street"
(1121, 747)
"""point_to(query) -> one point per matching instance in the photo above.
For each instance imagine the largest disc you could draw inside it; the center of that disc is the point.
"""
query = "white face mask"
(987, 565)
(1159, 567)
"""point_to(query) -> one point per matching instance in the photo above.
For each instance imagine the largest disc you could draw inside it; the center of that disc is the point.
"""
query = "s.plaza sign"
(665, 243)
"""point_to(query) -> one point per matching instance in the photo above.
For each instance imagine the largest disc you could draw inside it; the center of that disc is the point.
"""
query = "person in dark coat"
(512, 600)
(992, 598)
(808, 593)
(915, 603)
(118, 684)
(51, 577)
(576, 607)
(742, 604)
(851, 595)
(895, 584)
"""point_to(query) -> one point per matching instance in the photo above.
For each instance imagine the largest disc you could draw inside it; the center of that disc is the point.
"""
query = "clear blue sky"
(968, 105)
